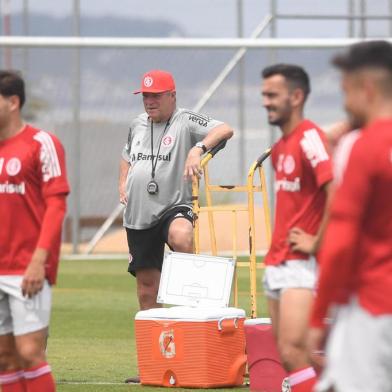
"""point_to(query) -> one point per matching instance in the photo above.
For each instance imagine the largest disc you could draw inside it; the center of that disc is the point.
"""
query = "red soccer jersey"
(356, 253)
(302, 166)
(32, 168)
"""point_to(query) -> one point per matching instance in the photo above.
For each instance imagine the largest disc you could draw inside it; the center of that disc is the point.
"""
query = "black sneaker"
(133, 380)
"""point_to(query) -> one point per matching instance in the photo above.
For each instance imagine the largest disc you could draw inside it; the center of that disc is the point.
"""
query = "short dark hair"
(12, 83)
(370, 54)
(294, 74)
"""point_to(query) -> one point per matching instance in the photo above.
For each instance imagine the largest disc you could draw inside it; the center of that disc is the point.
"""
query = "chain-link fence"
(85, 97)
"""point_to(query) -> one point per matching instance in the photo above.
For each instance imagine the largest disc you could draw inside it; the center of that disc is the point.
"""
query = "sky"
(217, 18)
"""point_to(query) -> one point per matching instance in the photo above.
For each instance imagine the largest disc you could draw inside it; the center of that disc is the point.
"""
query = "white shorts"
(358, 352)
(289, 275)
(20, 315)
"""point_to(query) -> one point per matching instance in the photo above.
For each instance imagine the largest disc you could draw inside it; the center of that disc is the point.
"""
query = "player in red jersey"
(303, 172)
(355, 287)
(33, 189)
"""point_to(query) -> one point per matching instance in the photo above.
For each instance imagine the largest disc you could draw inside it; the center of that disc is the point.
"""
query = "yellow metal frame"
(250, 188)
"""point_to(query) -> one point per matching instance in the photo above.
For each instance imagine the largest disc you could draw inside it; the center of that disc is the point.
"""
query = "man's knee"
(147, 294)
(31, 347)
(181, 237)
(31, 354)
(292, 353)
(147, 287)
(8, 356)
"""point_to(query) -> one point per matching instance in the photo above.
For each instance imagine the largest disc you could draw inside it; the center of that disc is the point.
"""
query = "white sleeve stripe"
(318, 147)
(315, 142)
(47, 142)
(49, 158)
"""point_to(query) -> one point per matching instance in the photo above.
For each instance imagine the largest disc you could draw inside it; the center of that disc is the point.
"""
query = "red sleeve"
(52, 222)
(316, 153)
(337, 255)
(55, 188)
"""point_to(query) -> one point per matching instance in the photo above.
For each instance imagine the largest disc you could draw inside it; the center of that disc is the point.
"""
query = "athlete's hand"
(315, 346)
(335, 131)
(192, 163)
(122, 189)
(300, 241)
(34, 277)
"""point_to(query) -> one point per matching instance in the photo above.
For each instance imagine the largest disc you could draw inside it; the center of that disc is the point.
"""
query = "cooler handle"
(235, 323)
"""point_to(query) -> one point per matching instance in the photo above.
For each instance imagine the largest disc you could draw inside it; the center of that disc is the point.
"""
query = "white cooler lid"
(187, 313)
(258, 321)
(195, 280)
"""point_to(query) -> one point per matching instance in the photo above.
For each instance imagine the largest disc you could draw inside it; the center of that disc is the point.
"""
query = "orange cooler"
(191, 347)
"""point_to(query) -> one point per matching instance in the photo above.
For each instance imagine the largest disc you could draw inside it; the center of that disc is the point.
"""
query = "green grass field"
(91, 345)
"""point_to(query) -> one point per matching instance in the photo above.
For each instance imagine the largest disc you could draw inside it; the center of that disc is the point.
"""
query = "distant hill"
(108, 26)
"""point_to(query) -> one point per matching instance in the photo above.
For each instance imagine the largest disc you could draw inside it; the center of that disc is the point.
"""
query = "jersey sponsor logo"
(288, 186)
(148, 157)
(167, 141)
(313, 147)
(289, 164)
(9, 188)
(48, 156)
(197, 118)
(13, 166)
(148, 81)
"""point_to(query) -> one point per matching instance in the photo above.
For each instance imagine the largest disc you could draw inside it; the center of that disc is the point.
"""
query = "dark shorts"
(146, 247)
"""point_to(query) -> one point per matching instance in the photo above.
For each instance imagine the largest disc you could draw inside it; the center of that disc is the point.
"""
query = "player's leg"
(294, 312)
(273, 311)
(30, 318)
(272, 287)
(180, 237)
(358, 352)
(11, 373)
(37, 372)
(177, 229)
(146, 249)
(295, 305)
(147, 283)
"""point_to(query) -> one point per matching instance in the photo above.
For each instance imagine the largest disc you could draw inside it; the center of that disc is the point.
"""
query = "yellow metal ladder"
(250, 189)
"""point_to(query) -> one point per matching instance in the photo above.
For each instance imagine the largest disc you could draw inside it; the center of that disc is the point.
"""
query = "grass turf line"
(92, 327)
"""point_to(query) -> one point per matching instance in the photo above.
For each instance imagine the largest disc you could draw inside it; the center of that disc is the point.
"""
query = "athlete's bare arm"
(301, 241)
(216, 135)
(52, 222)
(122, 181)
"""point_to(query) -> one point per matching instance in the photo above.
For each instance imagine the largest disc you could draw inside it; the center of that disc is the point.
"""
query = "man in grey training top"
(158, 161)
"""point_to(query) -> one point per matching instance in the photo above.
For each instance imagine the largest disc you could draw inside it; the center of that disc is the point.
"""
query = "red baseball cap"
(156, 81)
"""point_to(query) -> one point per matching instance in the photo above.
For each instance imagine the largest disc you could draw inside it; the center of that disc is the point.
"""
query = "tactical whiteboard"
(196, 280)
